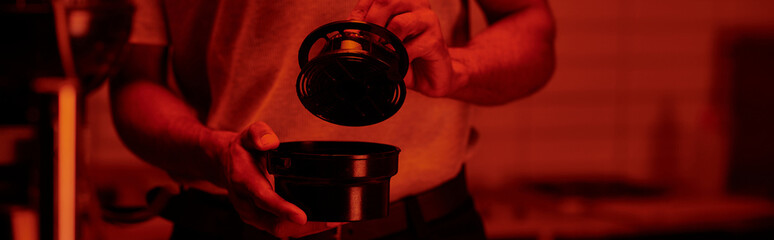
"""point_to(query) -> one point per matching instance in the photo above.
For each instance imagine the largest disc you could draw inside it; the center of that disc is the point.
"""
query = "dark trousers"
(199, 215)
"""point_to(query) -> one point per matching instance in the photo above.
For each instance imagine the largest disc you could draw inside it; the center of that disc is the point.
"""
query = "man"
(206, 81)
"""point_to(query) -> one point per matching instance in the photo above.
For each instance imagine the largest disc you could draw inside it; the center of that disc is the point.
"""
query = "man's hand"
(413, 22)
(511, 59)
(250, 190)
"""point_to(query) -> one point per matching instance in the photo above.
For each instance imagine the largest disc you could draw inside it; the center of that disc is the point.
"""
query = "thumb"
(259, 136)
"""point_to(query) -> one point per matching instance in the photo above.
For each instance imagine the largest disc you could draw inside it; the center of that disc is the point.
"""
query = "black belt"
(411, 213)
(408, 214)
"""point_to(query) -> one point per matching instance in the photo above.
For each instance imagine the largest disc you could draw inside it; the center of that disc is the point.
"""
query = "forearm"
(163, 131)
(511, 59)
(158, 126)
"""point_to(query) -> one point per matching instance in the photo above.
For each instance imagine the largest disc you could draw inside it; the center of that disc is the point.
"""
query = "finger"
(333, 224)
(360, 10)
(424, 47)
(279, 227)
(407, 25)
(268, 222)
(284, 229)
(265, 198)
(296, 231)
(431, 68)
(248, 183)
(381, 11)
(409, 78)
(421, 31)
(252, 215)
(259, 136)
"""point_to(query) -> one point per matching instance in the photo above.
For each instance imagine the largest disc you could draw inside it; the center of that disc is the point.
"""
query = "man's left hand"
(431, 71)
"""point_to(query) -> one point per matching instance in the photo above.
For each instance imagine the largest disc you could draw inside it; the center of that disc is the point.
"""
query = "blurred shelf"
(665, 217)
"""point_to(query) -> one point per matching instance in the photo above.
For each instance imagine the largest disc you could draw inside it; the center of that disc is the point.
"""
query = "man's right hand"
(249, 188)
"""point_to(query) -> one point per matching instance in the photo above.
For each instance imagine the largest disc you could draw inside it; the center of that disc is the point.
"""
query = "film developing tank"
(354, 79)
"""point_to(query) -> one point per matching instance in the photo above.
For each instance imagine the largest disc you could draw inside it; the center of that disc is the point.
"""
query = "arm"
(159, 127)
(163, 130)
(512, 58)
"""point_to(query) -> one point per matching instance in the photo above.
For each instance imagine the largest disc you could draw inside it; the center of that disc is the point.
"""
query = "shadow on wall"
(749, 78)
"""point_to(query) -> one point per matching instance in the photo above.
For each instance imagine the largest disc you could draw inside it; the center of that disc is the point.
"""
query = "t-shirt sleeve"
(148, 25)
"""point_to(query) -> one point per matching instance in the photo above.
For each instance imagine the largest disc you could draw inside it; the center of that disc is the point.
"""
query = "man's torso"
(236, 63)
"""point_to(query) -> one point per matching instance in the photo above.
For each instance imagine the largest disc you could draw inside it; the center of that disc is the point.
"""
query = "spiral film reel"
(356, 77)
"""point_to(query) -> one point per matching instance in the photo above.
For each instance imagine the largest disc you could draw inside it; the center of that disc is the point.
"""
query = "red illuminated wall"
(630, 96)
(638, 98)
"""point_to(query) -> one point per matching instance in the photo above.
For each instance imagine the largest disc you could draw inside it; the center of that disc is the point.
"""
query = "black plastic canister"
(335, 181)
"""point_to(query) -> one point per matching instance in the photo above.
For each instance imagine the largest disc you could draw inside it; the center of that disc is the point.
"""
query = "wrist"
(215, 145)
